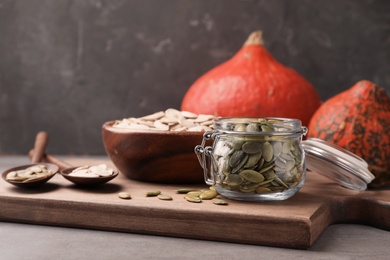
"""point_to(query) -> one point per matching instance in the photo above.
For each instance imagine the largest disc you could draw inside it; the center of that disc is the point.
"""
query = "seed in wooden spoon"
(101, 170)
(124, 195)
(32, 173)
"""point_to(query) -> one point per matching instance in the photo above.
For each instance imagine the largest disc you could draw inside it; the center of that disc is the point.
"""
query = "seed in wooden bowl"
(169, 120)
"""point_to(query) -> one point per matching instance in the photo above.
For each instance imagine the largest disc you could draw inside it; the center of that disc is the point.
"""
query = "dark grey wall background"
(68, 66)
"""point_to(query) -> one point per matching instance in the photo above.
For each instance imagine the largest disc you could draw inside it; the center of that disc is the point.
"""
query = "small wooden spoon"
(39, 148)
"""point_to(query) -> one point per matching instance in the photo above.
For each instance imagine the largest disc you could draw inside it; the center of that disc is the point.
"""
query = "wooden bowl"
(154, 156)
(86, 181)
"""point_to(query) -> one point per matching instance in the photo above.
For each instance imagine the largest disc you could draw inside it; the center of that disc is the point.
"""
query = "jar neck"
(259, 126)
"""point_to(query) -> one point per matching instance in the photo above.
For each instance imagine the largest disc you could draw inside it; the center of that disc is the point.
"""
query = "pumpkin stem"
(254, 38)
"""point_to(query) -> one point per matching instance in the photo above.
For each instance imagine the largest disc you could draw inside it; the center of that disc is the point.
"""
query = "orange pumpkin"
(252, 83)
(358, 120)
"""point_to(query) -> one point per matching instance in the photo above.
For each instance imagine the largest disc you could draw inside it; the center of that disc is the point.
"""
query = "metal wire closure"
(201, 152)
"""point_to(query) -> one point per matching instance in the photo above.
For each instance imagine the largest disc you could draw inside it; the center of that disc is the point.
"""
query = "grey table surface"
(26, 241)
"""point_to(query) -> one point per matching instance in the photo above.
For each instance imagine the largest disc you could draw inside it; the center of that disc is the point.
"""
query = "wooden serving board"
(293, 223)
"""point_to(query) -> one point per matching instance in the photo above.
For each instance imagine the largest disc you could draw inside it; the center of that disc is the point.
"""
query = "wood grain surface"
(294, 223)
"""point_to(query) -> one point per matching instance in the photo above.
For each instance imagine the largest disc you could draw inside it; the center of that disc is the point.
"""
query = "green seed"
(252, 128)
(268, 152)
(124, 195)
(153, 193)
(252, 176)
(164, 197)
(251, 147)
(195, 193)
(266, 128)
(262, 190)
(252, 160)
(236, 158)
(219, 201)
(192, 198)
(184, 190)
(208, 194)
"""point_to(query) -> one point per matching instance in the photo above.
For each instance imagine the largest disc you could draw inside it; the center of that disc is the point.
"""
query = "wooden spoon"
(41, 140)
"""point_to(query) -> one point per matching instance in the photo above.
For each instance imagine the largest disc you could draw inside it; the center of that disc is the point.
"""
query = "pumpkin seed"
(277, 147)
(208, 194)
(124, 195)
(191, 198)
(219, 201)
(286, 147)
(168, 120)
(269, 174)
(252, 160)
(252, 147)
(262, 190)
(266, 128)
(268, 152)
(241, 164)
(164, 197)
(236, 158)
(195, 193)
(153, 193)
(240, 128)
(184, 190)
(252, 176)
(267, 167)
(101, 170)
(253, 127)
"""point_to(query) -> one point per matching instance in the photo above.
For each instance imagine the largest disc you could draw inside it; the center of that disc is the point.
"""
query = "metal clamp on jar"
(263, 158)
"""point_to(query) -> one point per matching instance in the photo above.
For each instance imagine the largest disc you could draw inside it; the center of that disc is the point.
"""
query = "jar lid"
(336, 163)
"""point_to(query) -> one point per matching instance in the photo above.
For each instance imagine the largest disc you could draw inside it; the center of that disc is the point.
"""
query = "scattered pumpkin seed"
(124, 195)
(164, 197)
(153, 193)
(192, 198)
(195, 193)
(184, 190)
(219, 201)
(208, 194)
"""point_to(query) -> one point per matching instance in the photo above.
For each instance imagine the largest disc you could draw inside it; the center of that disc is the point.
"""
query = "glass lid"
(334, 162)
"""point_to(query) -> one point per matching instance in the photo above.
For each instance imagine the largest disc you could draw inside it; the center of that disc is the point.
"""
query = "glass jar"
(254, 158)
(259, 159)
